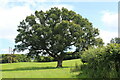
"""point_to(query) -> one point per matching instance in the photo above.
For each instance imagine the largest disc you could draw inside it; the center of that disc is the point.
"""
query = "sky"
(102, 14)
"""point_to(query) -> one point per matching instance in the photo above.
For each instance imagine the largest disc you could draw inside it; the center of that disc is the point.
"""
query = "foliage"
(13, 58)
(50, 59)
(102, 62)
(115, 40)
(8, 58)
(54, 31)
(0, 58)
(74, 56)
(44, 59)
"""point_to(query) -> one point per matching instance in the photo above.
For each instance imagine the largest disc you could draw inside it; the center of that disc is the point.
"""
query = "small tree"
(115, 40)
(53, 32)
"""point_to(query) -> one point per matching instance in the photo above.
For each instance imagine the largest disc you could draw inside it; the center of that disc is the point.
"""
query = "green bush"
(23, 58)
(9, 58)
(74, 56)
(13, 58)
(102, 62)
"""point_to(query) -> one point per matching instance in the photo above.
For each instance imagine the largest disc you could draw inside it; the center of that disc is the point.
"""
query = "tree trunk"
(59, 63)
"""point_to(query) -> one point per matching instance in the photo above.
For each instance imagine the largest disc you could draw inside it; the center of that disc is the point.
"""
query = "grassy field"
(39, 70)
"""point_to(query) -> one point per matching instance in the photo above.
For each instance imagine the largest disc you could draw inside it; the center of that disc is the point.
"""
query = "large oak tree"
(54, 31)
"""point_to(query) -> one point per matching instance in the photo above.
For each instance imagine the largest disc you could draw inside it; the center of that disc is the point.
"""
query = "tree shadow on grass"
(32, 68)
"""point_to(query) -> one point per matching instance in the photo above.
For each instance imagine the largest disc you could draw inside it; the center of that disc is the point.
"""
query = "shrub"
(102, 62)
(13, 58)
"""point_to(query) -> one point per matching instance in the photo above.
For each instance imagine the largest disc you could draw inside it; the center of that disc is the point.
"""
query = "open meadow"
(39, 69)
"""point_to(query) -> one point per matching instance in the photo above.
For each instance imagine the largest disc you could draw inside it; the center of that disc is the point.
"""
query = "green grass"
(39, 70)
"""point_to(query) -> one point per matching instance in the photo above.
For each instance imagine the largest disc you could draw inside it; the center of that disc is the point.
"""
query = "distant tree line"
(14, 58)
(50, 59)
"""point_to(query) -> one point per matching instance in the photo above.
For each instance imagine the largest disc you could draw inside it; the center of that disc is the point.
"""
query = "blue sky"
(103, 15)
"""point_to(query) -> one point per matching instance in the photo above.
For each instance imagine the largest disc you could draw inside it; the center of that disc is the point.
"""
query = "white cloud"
(110, 20)
(44, 8)
(107, 35)
(110, 23)
(4, 51)
(88, 0)
(59, 0)
(10, 18)
(69, 7)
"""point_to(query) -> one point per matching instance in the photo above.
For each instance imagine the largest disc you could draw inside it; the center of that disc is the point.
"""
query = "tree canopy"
(54, 31)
